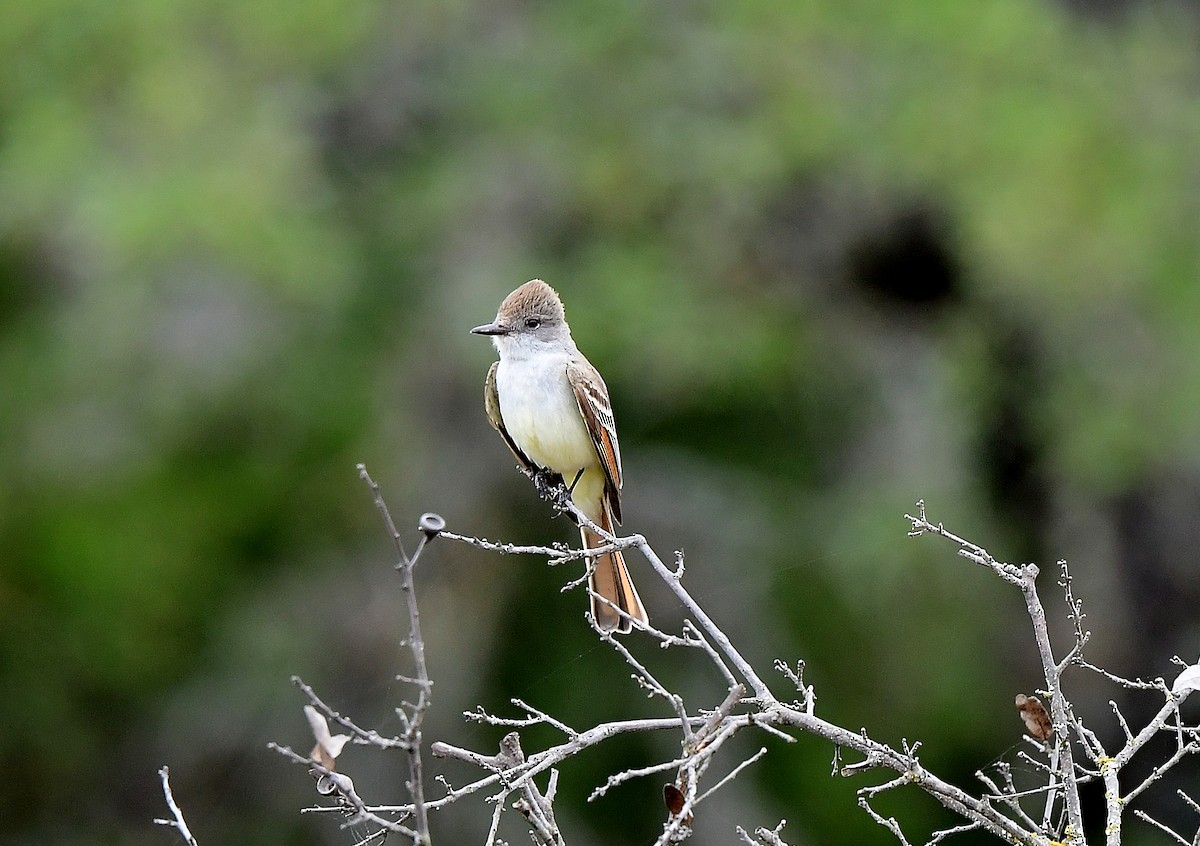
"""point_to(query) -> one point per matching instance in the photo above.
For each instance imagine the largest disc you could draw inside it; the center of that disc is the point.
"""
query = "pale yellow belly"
(542, 417)
(556, 439)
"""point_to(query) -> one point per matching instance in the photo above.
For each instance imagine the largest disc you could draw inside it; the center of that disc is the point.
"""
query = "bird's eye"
(532, 322)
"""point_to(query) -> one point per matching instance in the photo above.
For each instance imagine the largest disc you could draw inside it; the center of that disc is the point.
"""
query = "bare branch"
(764, 836)
(1195, 806)
(647, 680)
(1010, 796)
(359, 734)
(939, 836)
(510, 777)
(343, 787)
(639, 772)
(1025, 579)
(968, 550)
(732, 774)
(889, 822)
(176, 822)
(1154, 776)
(1142, 815)
(412, 714)
(1076, 615)
(1132, 684)
(539, 716)
(796, 677)
(694, 637)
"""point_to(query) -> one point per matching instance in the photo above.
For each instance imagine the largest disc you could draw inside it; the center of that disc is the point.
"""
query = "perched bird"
(552, 409)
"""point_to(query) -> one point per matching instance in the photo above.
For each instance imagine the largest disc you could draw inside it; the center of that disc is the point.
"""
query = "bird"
(552, 408)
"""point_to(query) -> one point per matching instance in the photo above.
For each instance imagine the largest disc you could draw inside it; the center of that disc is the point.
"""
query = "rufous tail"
(610, 579)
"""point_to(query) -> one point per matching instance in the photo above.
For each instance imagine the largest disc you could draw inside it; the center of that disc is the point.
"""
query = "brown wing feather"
(491, 404)
(592, 395)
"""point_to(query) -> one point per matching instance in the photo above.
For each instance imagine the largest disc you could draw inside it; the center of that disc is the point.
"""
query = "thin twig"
(764, 836)
(177, 821)
(939, 836)
(412, 716)
(1142, 815)
(360, 734)
(512, 773)
(344, 788)
(731, 775)
(887, 822)
(1025, 578)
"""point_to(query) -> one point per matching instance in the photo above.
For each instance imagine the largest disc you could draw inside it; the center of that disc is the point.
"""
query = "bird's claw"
(551, 487)
(547, 483)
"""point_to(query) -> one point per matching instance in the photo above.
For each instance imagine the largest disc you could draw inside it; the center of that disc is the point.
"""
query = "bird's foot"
(551, 487)
(548, 484)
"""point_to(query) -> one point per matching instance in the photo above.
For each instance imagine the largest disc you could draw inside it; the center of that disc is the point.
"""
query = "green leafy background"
(832, 257)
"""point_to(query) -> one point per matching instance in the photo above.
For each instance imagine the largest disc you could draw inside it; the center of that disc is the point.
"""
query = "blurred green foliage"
(830, 256)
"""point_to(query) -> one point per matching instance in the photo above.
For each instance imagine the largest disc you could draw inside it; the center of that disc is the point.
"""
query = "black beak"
(489, 329)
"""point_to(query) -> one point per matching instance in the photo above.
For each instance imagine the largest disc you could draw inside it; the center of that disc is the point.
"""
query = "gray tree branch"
(747, 702)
